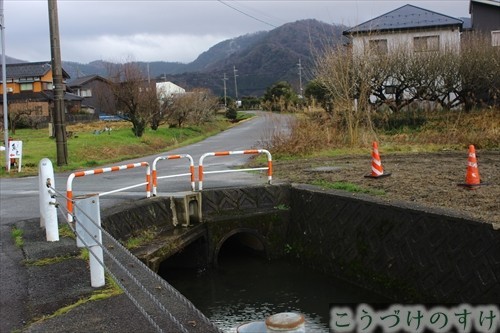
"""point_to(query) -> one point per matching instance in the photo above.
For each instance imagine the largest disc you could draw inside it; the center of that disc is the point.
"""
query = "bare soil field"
(425, 179)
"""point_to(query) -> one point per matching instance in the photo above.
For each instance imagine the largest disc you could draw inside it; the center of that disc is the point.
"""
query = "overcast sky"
(165, 30)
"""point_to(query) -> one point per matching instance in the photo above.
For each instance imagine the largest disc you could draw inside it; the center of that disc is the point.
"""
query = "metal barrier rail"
(269, 167)
(172, 157)
(97, 259)
(69, 183)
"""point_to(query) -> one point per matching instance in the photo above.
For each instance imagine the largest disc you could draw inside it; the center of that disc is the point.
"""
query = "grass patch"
(17, 236)
(144, 237)
(244, 115)
(111, 289)
(84, 254)
(49, 261)
(86, 149)
(282, 207)
(65, 231)
(349, 187)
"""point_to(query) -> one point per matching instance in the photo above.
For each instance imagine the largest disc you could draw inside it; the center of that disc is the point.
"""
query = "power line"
(246, 14)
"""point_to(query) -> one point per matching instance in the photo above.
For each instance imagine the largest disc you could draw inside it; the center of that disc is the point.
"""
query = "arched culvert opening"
(191, 259)
(240, 244)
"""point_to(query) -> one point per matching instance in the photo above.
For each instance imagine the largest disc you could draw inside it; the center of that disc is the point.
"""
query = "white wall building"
(408, 27)
(168, 89)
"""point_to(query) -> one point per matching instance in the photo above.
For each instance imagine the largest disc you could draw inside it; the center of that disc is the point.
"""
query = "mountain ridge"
(256, 60)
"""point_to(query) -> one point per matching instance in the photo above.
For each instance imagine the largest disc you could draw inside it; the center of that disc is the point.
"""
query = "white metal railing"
(69, 183)
(172, 157)
(202, 171)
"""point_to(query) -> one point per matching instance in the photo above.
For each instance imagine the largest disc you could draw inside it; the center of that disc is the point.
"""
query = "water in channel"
(246, 287)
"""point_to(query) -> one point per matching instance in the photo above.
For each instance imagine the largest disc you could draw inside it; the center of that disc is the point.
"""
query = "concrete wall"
(126, 220)
(261, 212)
(399, 250)
(405, 253)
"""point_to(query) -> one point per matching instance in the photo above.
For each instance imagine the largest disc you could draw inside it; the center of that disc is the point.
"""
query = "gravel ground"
(428, 179)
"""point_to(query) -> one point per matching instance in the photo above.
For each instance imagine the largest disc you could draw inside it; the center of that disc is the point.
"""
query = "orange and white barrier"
(172, 157)
(202, 172)
(69, 183)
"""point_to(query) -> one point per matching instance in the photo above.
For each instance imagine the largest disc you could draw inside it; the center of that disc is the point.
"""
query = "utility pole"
(235, 83)
(4, 86)
(225, 95)
(58, 113)
(300, 79)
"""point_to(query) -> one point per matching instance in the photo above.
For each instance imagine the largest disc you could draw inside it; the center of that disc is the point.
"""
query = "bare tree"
(135, 96)
(194, 107)
(346, 80)
(479, 70)
(28, 113)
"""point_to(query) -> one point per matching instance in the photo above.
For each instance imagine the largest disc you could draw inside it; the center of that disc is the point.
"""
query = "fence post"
(88, 223)
(48, 210)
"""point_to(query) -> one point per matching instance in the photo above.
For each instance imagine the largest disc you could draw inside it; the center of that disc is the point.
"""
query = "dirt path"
(427, 179)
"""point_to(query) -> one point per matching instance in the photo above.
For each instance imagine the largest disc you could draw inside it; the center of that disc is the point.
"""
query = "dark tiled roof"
(46, 95)
(29, 95)
(78, 82)
(406, 17)
(29, 69)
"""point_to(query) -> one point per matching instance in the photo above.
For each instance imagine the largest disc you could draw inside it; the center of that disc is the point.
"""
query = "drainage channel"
(246, 287)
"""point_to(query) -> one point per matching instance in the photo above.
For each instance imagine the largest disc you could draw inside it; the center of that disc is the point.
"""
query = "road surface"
(19, 198)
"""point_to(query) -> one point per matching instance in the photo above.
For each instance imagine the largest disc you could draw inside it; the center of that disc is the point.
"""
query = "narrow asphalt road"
(19, 198)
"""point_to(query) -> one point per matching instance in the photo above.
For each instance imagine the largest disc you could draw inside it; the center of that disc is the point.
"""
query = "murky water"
(247, 288)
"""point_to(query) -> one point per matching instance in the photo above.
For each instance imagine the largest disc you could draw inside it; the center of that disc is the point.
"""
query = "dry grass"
(314, 132)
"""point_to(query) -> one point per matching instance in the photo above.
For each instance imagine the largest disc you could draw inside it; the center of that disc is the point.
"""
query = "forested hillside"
(260, 59)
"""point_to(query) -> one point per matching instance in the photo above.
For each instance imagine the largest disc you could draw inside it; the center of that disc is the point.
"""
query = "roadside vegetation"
(408, 102)
(17, 236)
(90, 145)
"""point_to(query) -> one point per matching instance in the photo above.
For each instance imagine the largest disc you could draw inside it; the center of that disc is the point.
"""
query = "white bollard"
(88, 222)
(48, 210)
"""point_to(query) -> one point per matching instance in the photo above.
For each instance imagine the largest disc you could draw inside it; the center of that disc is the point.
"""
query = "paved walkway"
(61, 283)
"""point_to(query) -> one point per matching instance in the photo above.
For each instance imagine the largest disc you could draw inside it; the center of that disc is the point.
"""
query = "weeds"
(49, 261)
(349, 187)
(17, 235)
(65, 231)
(315, 133)
(84, 254)
(144, 237)
(111, 289)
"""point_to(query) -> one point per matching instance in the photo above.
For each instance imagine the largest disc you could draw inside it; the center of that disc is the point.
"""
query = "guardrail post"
(88, 223)
(48, 210)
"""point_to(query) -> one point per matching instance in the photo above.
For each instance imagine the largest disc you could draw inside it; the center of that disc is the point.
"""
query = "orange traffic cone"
(472, 176)
(377, 169)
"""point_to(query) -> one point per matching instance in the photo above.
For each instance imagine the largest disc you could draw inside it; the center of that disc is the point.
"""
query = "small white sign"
(16, 152)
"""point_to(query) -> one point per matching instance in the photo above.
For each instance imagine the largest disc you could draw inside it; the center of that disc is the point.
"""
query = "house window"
(495, 38)
(26, 86)
(378, 46)
(426, 44)
(86, 92)
(47, 86)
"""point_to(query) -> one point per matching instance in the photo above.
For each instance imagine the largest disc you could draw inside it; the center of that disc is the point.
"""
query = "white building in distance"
(168, 89)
